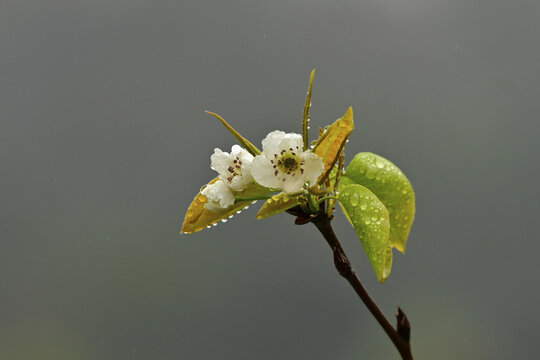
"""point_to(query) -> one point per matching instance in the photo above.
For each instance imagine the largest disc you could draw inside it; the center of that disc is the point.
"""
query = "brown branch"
(401, 336)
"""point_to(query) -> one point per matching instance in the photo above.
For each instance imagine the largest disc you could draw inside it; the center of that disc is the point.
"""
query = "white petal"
(239, 183)
(264, 173)
(313, 167)
(219, 196)
(245, 157)
(241, 153)
(236, 149)
(292, 184)
(292, 141)
(271, 143)
(220, 162)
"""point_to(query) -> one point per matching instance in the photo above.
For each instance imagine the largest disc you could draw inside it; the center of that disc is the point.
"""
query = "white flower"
(284, 165)
(219, 196)
(234, 168)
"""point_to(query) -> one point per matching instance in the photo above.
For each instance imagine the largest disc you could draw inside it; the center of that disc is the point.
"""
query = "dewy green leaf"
(242, 140)
(369, 217)
(305, 117)
(332, 142)
(391, 186)
(277, 204)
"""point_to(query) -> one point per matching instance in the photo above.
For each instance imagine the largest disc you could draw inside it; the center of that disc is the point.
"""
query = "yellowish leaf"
(199, 217)
(332, 142)
(277, 204)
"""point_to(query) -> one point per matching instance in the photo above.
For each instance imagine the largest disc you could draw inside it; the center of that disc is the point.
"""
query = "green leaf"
(252, 149)
(332, 142)
(369, 217)
(391, 186)
(305, 117)
(277, 204)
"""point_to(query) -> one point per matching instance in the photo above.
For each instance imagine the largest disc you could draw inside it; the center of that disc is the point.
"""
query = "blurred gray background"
(104, 143)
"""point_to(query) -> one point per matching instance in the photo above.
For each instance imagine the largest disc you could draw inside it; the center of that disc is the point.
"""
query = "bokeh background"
(104, 143)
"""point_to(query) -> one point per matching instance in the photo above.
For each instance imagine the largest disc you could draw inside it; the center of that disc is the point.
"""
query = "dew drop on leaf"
(370, 174)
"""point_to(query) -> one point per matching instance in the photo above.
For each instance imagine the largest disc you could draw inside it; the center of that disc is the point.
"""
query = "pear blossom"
(284, 165)
(219, 196)
(234, 168)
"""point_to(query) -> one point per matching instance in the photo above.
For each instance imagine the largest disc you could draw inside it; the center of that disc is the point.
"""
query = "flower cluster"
(282, 165)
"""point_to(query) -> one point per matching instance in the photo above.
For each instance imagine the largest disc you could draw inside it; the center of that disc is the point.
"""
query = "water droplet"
(363, 206)
(230, 217)
(404, 191)
(214, 224)
(223, 220)
(354, 199)
(367, 222)
(208, 227)
(370, 173)
(379, 163)
(406, 217)
(239, 211)
(374, 218)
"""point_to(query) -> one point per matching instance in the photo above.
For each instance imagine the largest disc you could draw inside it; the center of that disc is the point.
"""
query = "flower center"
(287, 162)
(235, 169)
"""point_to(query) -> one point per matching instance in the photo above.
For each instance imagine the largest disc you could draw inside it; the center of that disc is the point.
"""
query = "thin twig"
(399, 337)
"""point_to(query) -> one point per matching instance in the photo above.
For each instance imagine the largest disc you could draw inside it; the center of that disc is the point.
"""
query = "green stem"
(326, 198)
(313, 206)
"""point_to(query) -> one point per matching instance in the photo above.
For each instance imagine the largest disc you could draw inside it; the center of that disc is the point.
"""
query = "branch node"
(342, 263)
(403, 326)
